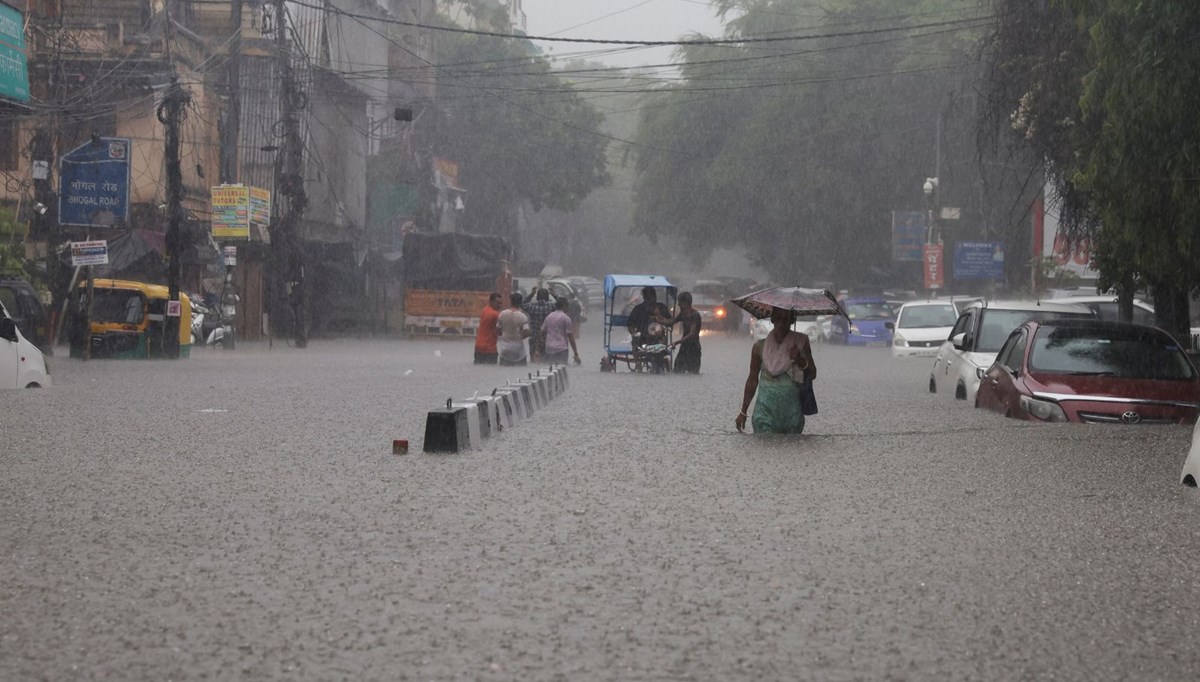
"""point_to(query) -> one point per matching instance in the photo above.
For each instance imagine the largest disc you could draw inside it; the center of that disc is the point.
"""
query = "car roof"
(863, 299)
(1095, 299)
(1028, 305)
(1095, 324)
(947, 303)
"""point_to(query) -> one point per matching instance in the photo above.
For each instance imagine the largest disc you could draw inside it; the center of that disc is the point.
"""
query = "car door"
(10, 362)
(941, 361)
(998, 390)
(956, 361)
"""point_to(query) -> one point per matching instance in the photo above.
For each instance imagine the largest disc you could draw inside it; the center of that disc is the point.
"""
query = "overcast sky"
(629, 20)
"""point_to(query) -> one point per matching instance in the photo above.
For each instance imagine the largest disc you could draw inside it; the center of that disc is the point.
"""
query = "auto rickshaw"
(128, 320)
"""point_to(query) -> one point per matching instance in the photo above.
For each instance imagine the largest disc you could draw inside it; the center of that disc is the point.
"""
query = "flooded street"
(240, 515)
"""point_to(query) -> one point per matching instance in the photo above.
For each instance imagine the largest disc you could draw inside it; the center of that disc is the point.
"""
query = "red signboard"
(935, 275)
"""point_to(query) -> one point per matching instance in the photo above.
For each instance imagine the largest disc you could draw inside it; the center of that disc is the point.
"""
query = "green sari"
(777, 404)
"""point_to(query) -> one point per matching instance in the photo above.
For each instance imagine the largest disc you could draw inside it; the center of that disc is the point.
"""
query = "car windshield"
(870, 311)
(998, 324)
(927, 316)
(1125, 352)
(117, 306)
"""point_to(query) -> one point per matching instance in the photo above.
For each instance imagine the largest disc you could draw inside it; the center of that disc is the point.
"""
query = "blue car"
(870, 323)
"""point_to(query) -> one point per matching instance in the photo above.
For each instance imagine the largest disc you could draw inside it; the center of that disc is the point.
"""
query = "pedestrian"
(513, 325)
(779, 364)
(537, 310)
(486, 334)
(558, 335)
(688, 359)
(575, 312)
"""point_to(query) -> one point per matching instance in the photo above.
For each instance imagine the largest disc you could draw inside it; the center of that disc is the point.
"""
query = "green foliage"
(518, 132)
(800, 151)
(1104, 90)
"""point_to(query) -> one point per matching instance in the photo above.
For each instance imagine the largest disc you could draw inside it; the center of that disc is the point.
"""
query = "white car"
(22, 365)
(977, 336)
(1106, 308)
(921, 328)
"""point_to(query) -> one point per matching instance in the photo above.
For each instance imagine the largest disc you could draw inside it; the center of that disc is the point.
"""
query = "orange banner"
(445, 303)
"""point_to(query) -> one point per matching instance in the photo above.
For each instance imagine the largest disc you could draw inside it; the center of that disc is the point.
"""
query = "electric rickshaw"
(648, 353)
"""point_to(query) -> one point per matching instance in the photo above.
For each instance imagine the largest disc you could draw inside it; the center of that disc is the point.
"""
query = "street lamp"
(929, 187)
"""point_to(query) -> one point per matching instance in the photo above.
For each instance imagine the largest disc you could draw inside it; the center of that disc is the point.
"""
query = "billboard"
(230, 212)
(1075, 257)
(908, 236)
(979, 260)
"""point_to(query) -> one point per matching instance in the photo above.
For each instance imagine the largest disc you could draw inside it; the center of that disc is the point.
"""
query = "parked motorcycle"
(210, 326)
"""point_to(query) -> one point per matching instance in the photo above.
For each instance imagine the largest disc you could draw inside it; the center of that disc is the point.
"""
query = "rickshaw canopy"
(612, 282)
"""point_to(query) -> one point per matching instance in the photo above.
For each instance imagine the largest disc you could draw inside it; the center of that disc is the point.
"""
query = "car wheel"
(960, 392)
(932, 385)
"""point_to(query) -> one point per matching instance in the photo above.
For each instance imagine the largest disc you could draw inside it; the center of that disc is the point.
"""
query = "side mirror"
(890, 325)
(959, 341)
(8, 329)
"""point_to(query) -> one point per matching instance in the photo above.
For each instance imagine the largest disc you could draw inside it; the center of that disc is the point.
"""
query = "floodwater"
(240, 515)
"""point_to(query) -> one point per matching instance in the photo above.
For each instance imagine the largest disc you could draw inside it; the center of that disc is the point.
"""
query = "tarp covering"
(611, 282)
(453, 261)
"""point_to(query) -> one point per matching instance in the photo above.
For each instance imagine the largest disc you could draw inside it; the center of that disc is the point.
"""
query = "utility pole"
(170, 113)
(289, 181)
(232, 130)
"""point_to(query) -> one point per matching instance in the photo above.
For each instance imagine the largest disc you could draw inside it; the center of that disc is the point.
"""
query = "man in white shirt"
(514, 329)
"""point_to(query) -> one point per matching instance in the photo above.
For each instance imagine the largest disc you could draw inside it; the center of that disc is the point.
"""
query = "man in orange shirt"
(485, 336)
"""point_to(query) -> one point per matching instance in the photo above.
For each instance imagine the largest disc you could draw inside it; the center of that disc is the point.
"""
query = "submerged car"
(26, 310)
(22, 365)
(1093, 372)
(714, 313)
(977, 336)
(921, 328)
(869, 323)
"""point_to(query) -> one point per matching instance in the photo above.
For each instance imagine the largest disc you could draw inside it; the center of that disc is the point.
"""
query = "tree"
(518, 132)
(1101, 90)
(799, 151)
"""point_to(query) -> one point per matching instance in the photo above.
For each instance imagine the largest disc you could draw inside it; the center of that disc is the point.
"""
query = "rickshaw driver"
(644, 314)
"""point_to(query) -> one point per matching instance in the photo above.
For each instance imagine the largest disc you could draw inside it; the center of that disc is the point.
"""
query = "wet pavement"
(239, 515)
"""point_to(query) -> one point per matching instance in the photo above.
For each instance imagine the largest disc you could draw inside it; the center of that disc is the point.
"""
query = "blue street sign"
(93, 183)
(979, 260)
(908, 236)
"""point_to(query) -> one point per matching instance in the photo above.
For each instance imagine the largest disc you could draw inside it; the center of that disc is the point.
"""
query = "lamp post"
(934, 276)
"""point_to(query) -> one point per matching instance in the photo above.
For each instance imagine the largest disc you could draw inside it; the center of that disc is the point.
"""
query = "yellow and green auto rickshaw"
(128, 320)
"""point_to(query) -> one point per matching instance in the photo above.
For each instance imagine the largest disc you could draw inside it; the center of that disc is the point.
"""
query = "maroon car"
(1093, 372)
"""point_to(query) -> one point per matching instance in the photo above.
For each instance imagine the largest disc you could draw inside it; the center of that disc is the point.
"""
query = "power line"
(647, 43)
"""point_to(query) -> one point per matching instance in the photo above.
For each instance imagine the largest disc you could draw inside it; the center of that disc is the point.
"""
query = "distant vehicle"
(868, 325)
(22, 365)
(922, 327)
(977, 336)
(26, 310)
(1094, 372)
(714, 313)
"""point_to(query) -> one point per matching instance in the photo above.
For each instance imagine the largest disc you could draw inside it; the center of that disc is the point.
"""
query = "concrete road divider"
(446, 429)
(475, 420)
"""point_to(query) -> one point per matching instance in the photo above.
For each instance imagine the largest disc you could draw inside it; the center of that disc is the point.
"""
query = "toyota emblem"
(1131, 417)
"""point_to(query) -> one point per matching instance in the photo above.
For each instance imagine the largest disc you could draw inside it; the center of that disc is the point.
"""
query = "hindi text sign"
(93, 184)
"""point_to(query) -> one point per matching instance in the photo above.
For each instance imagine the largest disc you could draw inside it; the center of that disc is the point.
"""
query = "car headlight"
(719, 312)
(979, 372)
(1044, 410)
(899, 341)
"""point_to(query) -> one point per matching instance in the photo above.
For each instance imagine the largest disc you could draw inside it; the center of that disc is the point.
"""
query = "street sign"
(979, 260)
(89, 253)
(908, 235)
(93, 183)
(230, 255)
(230, 212)
(14, 67)
(935, 276)
(174, 309)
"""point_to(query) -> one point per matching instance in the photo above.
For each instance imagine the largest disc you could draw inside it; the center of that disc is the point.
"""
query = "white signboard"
(174, 309)
(230, 255)
(1077, 257)
(89, 253)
